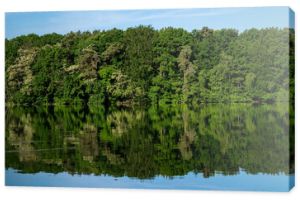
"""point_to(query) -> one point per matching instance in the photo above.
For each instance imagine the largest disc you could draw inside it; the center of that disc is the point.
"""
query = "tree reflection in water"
(146, 142)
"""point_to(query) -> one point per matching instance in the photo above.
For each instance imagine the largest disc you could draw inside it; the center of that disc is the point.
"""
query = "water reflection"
(150, 142)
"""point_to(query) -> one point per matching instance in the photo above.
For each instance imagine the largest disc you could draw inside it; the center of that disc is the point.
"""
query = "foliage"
(141, 65)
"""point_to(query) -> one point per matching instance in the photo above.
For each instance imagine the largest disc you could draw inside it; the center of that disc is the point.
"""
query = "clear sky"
(19, 23)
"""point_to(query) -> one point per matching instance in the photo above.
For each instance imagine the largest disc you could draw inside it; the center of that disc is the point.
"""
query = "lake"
(213, 147)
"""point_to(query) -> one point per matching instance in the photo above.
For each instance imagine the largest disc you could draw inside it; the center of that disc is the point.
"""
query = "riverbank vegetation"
(142, 65)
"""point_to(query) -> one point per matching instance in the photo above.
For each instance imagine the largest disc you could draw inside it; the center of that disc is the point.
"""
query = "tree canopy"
(144, 65)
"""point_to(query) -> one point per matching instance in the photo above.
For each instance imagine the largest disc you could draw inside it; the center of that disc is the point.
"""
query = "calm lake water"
(213, 147)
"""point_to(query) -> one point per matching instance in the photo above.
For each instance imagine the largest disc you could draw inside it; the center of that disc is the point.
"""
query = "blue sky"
(19, 23)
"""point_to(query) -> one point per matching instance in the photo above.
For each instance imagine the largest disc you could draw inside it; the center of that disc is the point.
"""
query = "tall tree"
(139, 43)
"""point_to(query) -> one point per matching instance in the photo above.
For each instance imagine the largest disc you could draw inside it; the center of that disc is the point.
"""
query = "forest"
(145, 66)
(147, 102)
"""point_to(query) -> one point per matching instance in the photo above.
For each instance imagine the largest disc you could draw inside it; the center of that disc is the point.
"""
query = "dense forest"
(142, 65)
